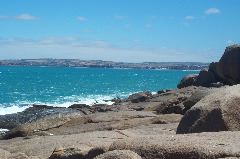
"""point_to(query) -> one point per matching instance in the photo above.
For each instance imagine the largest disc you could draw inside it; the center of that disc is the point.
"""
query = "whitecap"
(12, 109)
(3, 130)
(66, 101)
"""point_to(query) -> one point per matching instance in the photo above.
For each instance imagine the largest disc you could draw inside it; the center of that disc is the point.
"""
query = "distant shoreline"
(105, 64)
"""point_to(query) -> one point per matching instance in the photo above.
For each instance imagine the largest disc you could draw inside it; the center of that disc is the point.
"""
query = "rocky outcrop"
(119, 154)
(226, 71)
(205, 78)
(31, 114)
(196, 97)
(188, 80)
(216, 112)
(75, 123)
(176, 101)
(139, 97)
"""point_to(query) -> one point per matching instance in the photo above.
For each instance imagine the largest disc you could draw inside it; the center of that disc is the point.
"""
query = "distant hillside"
(105, 64)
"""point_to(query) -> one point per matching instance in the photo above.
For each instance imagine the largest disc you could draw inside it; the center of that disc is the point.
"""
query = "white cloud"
(189, 17)
(212, 11)
(75, 48)
(81, 18)
(24, 16)
(120, 17)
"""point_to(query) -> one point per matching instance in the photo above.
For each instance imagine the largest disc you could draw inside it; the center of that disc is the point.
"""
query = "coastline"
(198, 120)
(75, 63)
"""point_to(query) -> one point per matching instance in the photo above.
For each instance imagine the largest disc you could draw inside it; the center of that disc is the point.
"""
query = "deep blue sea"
(61, 86)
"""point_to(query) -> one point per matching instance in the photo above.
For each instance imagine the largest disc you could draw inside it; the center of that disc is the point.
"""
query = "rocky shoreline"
(201, 119)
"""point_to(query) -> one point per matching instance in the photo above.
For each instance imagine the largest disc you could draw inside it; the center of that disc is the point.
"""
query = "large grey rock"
(119, 154)
(197, 96)
(176, 101)
(228, 67)
(226, 71)
(205, 78)
(188, 80)
(219, 111)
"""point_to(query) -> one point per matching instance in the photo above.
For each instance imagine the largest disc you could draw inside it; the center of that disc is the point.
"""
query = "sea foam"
(60, 102)
(12, 109)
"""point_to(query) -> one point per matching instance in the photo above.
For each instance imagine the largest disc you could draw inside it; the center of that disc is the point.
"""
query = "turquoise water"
(62, 86)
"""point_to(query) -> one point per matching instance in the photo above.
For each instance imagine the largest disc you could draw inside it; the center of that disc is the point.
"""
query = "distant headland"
(104, 64)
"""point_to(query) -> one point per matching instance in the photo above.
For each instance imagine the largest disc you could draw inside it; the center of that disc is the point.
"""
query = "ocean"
(20, 87)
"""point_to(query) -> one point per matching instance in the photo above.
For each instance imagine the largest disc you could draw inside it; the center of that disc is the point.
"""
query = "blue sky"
(126, 30)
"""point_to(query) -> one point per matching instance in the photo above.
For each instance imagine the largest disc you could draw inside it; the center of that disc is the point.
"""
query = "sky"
(125, 30)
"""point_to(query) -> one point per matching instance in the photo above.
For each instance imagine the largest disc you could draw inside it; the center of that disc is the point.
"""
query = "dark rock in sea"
(163, 91)
(117, 100)
(79, 106)
(188, 80)
(218, 111)
(224, 72)
(33, 113)
(102, 108)
(85, 109)
(139, 97)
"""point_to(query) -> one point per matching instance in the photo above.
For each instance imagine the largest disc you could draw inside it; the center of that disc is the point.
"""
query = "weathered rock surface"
(166, 119)
(119, 154)
(219, 111)
(75, 123)
(7, 155)
(194, 146)
(155, 138)
(4, 154)
(76, 153)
